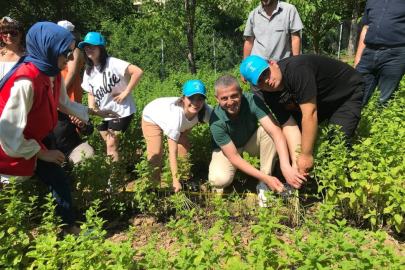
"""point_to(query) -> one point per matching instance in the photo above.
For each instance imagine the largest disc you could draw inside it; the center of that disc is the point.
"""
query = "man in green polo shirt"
(234, 127)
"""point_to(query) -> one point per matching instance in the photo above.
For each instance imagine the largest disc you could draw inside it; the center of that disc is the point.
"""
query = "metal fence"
(222, 51)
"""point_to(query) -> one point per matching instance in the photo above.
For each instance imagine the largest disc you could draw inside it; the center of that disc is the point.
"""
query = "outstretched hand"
(305, 164)
(293, 177)
(176, 186)
(273, 183)
(107, 114)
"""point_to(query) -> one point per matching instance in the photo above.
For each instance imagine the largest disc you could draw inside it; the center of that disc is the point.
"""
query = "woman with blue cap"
(30, 96)
(104, 80)
(175, 117)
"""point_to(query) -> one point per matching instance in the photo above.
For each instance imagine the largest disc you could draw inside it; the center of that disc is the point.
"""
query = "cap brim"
(81, 44)
(196, 94)
(257, 78)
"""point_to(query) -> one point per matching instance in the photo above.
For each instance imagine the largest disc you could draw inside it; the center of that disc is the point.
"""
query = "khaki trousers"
(76, 155)
(154, 146)
(222, 172)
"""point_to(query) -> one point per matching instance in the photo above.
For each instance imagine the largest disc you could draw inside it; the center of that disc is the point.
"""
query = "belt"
(383, 47)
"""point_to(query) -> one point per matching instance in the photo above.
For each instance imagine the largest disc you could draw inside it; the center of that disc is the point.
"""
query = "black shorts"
(113, 124)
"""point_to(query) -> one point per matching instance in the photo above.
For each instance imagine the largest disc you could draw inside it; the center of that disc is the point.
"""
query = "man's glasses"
(68, 53)
(89, 46)
(11, 33)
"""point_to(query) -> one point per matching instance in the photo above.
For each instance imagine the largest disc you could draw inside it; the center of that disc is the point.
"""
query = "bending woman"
(30, 96)
(175, 117)
(104, 80)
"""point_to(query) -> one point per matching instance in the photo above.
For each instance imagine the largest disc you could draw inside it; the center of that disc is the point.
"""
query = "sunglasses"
(68, 53)
(89, 46)
(11, 33)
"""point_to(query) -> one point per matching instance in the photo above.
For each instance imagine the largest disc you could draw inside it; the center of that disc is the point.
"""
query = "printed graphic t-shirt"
(170, 118)
(106, 85)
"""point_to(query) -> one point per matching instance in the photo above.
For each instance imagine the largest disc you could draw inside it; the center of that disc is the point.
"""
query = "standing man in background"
(272, 32)
(380, 54)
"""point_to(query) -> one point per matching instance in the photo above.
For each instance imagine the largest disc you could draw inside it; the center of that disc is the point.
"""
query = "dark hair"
(9, 24)
(226, 81)
(103, 60)
(200, 114)
(77, 38)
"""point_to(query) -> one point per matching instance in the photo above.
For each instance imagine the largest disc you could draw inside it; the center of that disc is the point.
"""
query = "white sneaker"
(217, 190)
(261, 189)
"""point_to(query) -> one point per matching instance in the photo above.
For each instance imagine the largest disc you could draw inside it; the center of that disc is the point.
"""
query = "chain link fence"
(222, 51)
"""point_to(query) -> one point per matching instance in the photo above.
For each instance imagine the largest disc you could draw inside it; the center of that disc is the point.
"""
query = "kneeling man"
(304, 90)
(234, 126)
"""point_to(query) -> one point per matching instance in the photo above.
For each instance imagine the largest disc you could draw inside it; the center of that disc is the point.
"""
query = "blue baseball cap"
(93, 38)
(193, 87)
(252, 67)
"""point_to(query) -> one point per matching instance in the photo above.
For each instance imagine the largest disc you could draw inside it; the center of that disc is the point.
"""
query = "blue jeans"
(382, 68)
(55, 178)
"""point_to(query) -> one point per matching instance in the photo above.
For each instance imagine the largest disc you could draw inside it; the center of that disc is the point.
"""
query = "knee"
(220, 179)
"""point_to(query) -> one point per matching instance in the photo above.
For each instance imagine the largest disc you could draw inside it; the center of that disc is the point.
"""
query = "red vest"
(41, 119)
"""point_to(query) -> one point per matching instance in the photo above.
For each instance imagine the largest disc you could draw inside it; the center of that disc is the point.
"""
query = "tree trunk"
(354, 30)
(316, 40)
(190, 11)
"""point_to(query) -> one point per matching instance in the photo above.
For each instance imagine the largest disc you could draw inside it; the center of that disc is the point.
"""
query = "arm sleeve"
(71, 108)
(295, 21)
(119, 66)
(14, 120)
(364, 19)
(219, 134)
(249, 26)
(259, 108)
(85, 83)
(303, 85)
(172, 127)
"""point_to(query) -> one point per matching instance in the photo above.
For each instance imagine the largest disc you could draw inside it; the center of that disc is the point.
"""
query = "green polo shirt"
(240, 131)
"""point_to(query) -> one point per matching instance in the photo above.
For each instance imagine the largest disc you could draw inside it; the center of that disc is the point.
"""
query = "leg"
(348, 115)
(221, 170)
(392, 68)
(55, 178)
(76, 155)
(112, 140)
(368, 69)
(154, 146)
(262, 145)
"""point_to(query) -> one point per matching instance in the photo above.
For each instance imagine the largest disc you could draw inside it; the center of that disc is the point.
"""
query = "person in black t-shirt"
(303, 91)
(66, 139)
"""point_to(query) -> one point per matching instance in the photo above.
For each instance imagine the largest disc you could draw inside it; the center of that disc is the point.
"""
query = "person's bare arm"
(232, 154)
(91, 101)
(136, 75)
(291, 174)
(173, 153)
(73, 67)
(293, 136)
(295, 43)
(361, 46)
(305, 160)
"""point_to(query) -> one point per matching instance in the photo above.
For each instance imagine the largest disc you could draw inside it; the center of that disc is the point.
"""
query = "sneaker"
(261, 189)
(288, 190)
(217, 190)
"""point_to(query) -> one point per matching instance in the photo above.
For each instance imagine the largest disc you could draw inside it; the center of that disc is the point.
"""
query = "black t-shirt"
(307, 76)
